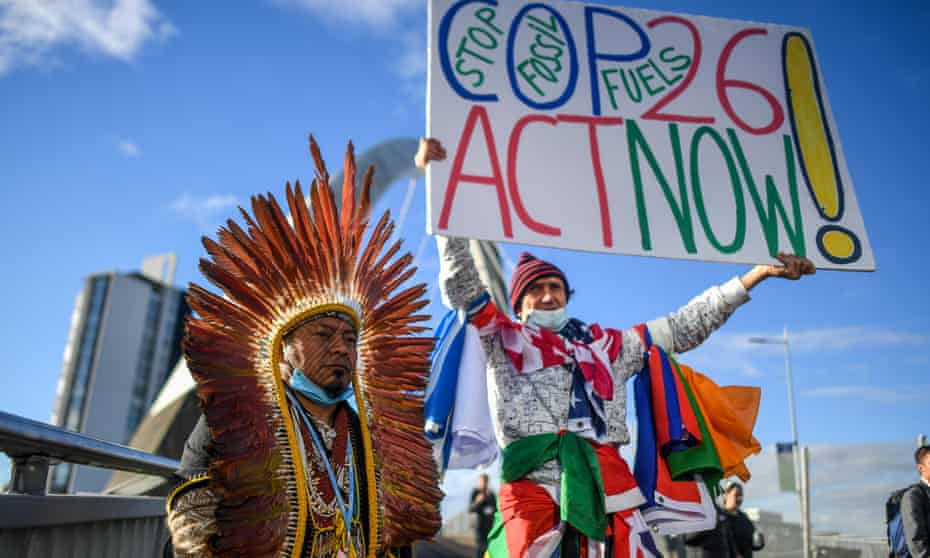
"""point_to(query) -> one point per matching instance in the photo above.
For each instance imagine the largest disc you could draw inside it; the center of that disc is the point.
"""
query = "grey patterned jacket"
(524, 404)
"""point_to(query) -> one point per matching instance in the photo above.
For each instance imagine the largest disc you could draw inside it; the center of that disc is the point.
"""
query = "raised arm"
(693, 323)
(459, 280)
(683, 329)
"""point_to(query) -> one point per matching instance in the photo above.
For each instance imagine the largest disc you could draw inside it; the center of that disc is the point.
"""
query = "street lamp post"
(805, 506)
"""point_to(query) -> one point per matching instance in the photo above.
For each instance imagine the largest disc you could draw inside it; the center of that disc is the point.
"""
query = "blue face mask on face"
(308, 388)
(553, 320)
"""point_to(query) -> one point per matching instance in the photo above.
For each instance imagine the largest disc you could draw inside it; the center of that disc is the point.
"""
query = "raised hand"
(430, 149)
(793, 267)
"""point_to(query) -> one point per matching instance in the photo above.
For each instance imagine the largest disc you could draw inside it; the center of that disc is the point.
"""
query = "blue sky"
(133, 129)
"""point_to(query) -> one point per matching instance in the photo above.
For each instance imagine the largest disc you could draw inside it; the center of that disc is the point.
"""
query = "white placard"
(631, 131)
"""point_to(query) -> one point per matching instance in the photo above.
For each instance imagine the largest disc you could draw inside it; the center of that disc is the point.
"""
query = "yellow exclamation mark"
(817, 155)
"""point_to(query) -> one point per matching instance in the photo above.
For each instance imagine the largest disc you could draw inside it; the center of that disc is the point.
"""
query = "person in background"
(745, 536)
(483, 505)
(915, 508)
(734, 536)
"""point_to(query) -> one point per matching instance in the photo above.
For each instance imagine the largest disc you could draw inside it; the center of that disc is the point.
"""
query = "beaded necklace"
(347, 510)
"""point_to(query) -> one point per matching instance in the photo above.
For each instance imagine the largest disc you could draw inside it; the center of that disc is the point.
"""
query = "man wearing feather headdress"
(308, 322)
(557, 393)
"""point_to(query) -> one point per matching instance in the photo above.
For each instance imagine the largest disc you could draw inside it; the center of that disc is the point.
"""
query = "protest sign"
(630, 131)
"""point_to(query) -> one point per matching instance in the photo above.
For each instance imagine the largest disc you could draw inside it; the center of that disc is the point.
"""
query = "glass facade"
(77, 396)
(124, 342)
(139, 397)
(171, 330)
(85, 361)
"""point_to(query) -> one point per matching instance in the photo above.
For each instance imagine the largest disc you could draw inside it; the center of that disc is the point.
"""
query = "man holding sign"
(558, 397)
(621, 130)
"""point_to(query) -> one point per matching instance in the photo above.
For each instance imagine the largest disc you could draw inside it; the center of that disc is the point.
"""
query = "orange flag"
(730, 413)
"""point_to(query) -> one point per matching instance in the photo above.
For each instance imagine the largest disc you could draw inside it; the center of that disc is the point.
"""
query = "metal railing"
(33, 446)
(34, 524)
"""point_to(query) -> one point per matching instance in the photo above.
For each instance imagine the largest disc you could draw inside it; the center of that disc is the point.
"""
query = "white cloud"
(380, 14)
(31, 29)
(849, 485)
(733, 353)
(820, 340)
(205, 212)
(411, 64)
(408, 52)
(842, 338)
(410, 67)
(129, 148)
(871, 393)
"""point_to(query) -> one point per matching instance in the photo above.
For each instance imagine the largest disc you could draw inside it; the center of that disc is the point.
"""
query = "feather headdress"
(275, 273)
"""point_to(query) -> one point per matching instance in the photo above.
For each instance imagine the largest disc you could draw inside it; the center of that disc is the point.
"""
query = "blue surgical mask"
(553, 320)
(308, 388)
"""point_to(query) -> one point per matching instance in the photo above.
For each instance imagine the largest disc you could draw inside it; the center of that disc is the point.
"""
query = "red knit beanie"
(528, 270)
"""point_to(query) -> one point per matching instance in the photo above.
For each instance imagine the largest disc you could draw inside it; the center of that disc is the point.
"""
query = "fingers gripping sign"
(430, 149)
(793, 267)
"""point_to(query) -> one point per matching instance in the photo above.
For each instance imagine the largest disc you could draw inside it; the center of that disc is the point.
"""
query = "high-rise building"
(125, 339)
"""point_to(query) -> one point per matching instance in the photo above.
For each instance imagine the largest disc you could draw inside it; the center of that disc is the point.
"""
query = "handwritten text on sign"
(637, 132)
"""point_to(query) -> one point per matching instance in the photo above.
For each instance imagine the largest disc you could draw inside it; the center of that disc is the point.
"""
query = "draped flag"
(672, 506)
(691, 433)
(456, 413)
